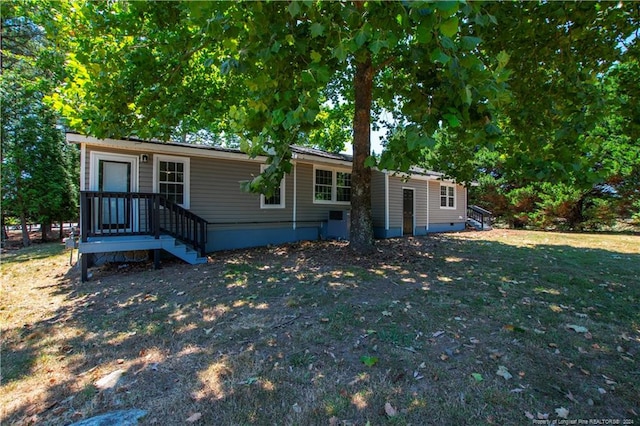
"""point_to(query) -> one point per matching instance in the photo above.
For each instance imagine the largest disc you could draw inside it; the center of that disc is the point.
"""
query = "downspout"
(428, 206)
(83, 166)
(466, 203)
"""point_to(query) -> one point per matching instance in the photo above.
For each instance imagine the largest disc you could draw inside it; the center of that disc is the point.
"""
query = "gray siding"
(308, 211)
(419, 187)
(440, 215)
(377, 199)
(216, 195)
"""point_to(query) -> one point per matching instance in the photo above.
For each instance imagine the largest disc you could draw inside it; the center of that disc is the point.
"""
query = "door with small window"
(114, 176)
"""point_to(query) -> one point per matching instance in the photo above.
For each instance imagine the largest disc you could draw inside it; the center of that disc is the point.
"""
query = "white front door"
(114, 173)
(114, 176)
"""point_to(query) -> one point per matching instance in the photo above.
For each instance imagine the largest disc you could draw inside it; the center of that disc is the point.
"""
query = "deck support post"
(156, 259)
(84, 265)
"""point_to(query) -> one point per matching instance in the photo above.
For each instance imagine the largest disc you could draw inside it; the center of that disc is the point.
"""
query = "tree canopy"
(266, 70)
(39, 173)
(521, 80)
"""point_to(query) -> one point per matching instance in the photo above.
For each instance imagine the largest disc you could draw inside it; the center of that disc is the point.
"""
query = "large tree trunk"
(45, 227)
(361, 239)
(26, 241)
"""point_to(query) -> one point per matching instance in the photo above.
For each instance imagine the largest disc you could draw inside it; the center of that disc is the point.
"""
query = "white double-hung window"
(447, 196)
(331, 186)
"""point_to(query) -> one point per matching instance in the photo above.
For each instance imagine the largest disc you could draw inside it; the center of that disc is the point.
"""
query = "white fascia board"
(162, 148)
(403, 175)
(304, 158)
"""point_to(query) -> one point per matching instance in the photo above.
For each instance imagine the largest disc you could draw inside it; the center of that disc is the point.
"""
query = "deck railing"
(480, 215)
(109, 214)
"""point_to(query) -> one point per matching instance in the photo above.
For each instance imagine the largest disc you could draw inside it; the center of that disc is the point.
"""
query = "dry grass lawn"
(499, 327)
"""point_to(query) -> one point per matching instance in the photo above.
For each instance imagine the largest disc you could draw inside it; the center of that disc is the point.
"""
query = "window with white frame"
(343, 187)
(275, 200)
(331, 186)
(171, 178)
(447, 196)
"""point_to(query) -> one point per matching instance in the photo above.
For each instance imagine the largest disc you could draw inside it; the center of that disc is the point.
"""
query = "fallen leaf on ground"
(503, 372)
(571, 398)
(529, 415)
(386, 313)
(388, 408)
(562, 412)
(110, 380)
(297, 408)
(477, 376)
(194, 417)
(369, 361)
(577, 328)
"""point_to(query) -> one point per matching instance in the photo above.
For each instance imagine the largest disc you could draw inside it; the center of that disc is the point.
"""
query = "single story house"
(186, 199)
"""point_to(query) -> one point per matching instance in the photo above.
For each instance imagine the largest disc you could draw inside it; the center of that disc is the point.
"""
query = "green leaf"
(377, 45)
(452, 119)
(423, 33)
(361, 38)
(477, 376)
(449, 27)
(307, 77)
(315, 56)
(438, 55)
(447, 7)
(294, 8)
(277, 117)
(340, 53)
(316, 29)
(323, 74)
(503, 59)
(370, 162)
(470, 43)
(369, 361)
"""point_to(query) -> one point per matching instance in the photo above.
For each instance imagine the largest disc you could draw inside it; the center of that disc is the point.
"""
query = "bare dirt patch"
(467, 328)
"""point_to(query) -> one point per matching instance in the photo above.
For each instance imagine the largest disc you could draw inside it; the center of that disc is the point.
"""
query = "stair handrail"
(182, 224)
(479, 214)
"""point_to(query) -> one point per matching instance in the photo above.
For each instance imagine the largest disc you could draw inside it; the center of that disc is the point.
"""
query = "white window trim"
(282, 204)
(187, 175)
(334, 185)
(96, 156)
(455, 201)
